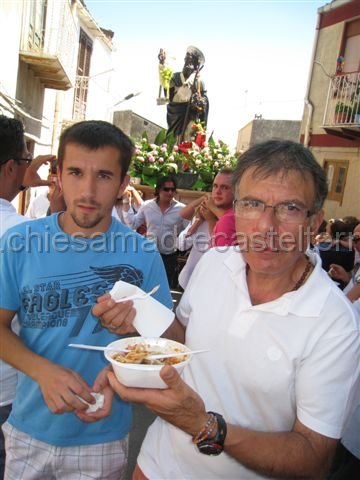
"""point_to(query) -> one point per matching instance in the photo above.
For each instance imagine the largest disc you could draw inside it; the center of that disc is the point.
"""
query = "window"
(351, 47)
(82, 76)
(37, 24)
(336, 171)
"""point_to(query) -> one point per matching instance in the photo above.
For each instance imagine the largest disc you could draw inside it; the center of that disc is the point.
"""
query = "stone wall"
(135, 125)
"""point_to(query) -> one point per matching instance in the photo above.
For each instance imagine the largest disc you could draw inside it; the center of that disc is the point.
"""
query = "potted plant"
(356, 112)
(343, 112)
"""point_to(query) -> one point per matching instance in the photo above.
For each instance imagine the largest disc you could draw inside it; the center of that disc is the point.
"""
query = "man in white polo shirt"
(271, 396)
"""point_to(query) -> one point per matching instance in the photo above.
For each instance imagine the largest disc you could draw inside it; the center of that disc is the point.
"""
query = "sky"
(257, 55)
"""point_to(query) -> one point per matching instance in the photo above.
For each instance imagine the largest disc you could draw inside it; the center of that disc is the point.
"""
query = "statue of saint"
(188, 102)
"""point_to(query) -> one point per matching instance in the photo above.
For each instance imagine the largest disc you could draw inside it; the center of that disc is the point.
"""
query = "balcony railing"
(51, 53)
(80, 97)
(342, 111)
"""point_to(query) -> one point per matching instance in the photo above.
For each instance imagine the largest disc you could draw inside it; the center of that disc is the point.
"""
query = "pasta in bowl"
(134, 369)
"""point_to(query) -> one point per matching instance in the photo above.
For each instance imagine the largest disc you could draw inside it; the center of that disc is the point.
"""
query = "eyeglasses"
(356, 239)
(27, 160)
(168, 189)
(285, 212)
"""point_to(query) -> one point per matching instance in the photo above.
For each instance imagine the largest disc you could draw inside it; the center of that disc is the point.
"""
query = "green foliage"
(342, 107)
(164, 157)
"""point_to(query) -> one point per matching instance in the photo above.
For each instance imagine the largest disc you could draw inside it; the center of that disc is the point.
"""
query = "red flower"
(200, 140)
(184, 147)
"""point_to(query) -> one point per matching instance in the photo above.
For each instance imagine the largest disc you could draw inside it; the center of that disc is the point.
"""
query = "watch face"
(210, 448)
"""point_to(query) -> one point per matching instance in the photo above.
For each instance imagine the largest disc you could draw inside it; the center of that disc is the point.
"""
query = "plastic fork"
(139, 296)
(177, 354)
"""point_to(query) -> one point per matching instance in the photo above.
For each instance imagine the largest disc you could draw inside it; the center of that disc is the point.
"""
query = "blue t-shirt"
(52, 280)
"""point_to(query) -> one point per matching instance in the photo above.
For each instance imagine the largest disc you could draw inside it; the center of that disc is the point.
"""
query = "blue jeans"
(4, 414)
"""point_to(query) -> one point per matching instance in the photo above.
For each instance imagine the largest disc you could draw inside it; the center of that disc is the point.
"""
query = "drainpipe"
(56, 121)
(308, 104)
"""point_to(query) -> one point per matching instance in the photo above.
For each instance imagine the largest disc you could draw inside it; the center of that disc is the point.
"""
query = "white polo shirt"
(295, 357)
(162, 227)
(8, 375)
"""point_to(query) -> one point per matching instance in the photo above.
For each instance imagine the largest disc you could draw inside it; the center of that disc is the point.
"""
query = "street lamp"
(130, 95)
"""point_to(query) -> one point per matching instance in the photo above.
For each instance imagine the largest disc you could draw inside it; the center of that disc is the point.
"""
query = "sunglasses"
(169, 189)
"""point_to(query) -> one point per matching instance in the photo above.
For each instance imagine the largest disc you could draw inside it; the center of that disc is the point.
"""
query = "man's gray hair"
(283, 156)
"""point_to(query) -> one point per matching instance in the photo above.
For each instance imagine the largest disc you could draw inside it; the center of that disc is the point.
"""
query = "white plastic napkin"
(152, 317)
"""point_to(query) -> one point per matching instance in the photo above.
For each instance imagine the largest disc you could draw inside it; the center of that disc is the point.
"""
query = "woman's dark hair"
(11, 139)
(340, 230)
(352, 221)
(95, 134)
(281, 157)
(161, 182)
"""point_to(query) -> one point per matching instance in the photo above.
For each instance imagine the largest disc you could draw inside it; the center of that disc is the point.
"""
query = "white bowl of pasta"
(134, 369)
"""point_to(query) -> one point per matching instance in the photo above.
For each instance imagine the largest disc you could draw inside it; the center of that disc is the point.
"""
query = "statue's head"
(194, 59)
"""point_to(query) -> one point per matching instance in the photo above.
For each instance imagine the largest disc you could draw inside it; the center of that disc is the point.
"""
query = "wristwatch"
(214, 445)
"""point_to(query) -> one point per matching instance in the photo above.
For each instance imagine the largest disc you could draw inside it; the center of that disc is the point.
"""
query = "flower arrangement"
(198, 156)
(206, 158)
(151, 160)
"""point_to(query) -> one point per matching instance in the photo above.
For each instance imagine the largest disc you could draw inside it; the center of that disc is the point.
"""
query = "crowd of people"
(271, 290)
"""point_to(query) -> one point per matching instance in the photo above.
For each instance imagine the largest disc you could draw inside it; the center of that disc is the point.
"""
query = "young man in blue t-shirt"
(53, 271)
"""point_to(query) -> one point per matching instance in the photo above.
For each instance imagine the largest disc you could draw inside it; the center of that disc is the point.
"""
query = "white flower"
(171, 158)
(153, 146)
(161, 160)
(198, 161)
(140, 158)
(219, 155)
(175, 148)
(216, 164)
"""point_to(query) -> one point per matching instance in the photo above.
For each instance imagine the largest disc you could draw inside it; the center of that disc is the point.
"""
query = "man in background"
(213, 218)
(17, 172)
(163, 221)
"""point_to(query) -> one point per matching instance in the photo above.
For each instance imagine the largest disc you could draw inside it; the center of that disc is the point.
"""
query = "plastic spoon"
(94, 347)
(149, 357)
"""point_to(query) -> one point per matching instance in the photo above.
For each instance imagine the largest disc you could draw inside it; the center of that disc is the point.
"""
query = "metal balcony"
(80, 97)
(50, 53)
(342, 111)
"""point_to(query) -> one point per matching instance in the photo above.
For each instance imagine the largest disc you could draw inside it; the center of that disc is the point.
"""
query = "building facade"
(331, 120)
(135, 125)
(56, 68)
(260, 130)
